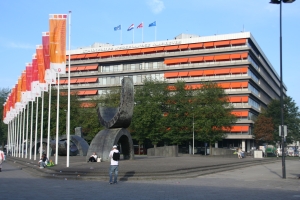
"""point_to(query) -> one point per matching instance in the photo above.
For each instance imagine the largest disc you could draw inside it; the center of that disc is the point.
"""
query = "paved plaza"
(255, 182)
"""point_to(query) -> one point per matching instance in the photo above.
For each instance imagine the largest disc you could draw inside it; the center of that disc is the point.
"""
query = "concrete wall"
(221, 151)
(166, 151)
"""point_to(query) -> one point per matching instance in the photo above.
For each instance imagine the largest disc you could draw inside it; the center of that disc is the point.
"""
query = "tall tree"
(179, 123)
(3, 127)
(263, 129)
(148, 119)
(291, 117)
(213, 116)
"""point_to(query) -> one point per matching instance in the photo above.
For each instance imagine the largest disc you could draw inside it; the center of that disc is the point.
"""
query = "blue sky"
(22, 23)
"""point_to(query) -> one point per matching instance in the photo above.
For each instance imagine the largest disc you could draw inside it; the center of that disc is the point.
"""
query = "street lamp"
(281, 87)
(193, 135)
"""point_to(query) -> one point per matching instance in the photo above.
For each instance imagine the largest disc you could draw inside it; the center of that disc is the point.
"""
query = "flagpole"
(121, 34)
(57, 122)
(13, 138)
(23, 133)
(8, 138)
(133, 36)
(36, 126)
(31, 124)
(42, 125)
(68, 112)
(49, 115)
(155, 34)
(17, 135)
(27, 130)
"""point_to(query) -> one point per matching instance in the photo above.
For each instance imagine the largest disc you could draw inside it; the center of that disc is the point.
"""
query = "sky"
(22, 24)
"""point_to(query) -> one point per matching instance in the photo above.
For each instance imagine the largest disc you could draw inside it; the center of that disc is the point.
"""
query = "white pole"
(121, 34)
(57, 122)
(193, 136)
(42, 125)
(49, 115)
(36, 126)
(8, 135)
(27, 131)
(68, 111)
(31, 124)
(17, 137)
(23, 133)
(14, 136)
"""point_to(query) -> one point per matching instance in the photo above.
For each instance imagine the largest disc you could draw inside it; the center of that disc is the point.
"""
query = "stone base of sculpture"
(105, 139)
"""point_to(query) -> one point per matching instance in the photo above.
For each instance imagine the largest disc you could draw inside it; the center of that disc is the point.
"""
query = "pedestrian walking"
(1, 159)
(114, 164)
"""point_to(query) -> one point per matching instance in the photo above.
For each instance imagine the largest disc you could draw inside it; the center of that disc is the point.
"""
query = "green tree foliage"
(148, 119)
(212, 113)
(263, 130)
(3, 127)
(179, 118)
(291, 117)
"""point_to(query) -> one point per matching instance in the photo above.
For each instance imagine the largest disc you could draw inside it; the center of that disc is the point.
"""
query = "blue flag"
(152, 24)
(117, 28)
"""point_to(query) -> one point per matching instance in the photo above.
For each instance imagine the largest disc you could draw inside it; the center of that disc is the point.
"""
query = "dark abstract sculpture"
(116, 120)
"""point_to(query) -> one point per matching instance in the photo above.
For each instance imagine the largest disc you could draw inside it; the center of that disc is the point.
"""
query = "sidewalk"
(141, 168)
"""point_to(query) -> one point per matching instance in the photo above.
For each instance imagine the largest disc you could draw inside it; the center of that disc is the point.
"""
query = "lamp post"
(193, 135)
(281, 84)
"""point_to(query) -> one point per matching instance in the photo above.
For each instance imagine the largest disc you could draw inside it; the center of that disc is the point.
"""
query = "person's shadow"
(127, 175)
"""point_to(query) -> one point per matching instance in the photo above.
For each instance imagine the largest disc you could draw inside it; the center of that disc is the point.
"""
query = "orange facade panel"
(91, 80)
(81, 68)
(238, 42)
(81, 80)
(208, 44)
(196, 46)
(81, 56)
(240, 113)
(104, 54)
(91, 55)
(244, 55)
(208, 72)
(222, 43)
(118, 53)
(176, 61)
(193, 86)
(239, 99)
(183, 74)
(88, 105)
(87, 92)
(158, 49)
(196, 73)
(91, 67)
(222, 57)
(74, 56)
(239, 70)
(224, 85)
(134, 51)
(196, 59)
(170, 74)
(222, 71)
(208, 58)
(239, 129)
(171, 48)
(72, 69)
(147, 50)
(183, 46)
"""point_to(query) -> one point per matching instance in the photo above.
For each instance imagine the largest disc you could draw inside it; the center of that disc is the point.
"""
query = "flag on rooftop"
(140, 26)
(130, 27)
(152, 24)
(117, 28)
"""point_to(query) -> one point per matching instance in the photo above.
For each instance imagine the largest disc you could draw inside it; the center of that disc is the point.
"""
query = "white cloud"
(156, 6)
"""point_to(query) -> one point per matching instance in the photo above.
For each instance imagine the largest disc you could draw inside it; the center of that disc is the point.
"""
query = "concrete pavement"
(255, 182)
